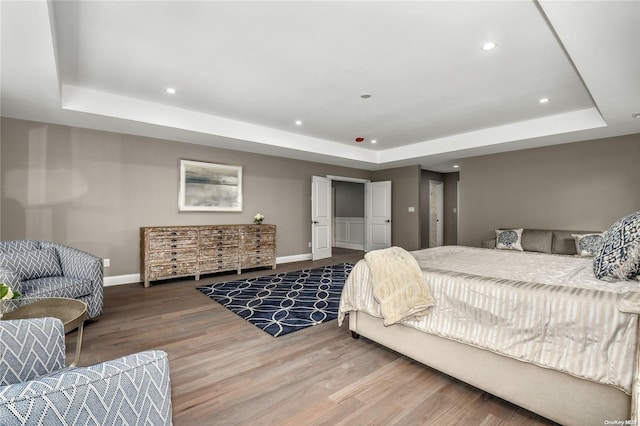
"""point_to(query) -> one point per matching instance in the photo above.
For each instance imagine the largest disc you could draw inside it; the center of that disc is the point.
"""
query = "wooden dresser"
(180, 251)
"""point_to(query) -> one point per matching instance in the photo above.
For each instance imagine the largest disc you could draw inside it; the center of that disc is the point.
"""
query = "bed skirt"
(552, 394)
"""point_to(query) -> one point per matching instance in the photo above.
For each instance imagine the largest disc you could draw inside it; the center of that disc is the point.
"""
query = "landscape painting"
(209, 187)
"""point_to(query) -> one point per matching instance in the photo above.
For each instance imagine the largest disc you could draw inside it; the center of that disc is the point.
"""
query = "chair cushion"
(30, 264)
(57, 287)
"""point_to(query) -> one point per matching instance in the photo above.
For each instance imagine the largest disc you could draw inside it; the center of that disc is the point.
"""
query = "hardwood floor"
(225, 371)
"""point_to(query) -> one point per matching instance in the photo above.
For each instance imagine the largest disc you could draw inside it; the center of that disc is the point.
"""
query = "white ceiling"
(244, 72)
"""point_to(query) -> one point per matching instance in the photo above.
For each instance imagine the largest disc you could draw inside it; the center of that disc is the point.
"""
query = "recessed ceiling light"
(455, 166)
(298, 122)
(488, 46)
(543, 100)
(365, 95)
(171, 90)
(374, 141)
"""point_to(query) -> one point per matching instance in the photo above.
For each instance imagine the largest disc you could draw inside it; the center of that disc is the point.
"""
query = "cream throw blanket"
(398, 284)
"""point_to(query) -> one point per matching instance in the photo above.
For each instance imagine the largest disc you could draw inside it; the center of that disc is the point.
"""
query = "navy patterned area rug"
(286, 302)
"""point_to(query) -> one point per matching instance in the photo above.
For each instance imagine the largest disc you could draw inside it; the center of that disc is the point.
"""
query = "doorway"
(375, 230)
(436, 212)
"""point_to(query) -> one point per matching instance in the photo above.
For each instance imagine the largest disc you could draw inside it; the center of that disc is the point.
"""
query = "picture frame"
(209, 187)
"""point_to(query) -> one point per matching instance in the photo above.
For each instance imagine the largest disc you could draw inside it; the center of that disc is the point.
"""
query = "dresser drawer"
(171, 269)
(258, 259)
(214, 243)
(222, 264)
(219, 252)
(267, 237)
(177, 255)
(258, 247)
(174, 242)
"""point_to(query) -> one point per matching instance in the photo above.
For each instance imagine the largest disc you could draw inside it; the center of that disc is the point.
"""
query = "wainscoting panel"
(349, 232)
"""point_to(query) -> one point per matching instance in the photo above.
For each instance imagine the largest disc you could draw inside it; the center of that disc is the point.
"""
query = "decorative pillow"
(619, 256)
(588, 245)
(509, 239)
(30, 264)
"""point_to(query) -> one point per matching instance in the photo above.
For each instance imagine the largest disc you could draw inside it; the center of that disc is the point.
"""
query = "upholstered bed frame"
(555, 395)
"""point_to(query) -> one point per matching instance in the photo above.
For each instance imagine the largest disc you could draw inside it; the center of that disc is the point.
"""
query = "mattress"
(548, 310)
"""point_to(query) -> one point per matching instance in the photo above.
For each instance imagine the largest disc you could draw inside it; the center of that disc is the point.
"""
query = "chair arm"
(10, 278)
(135, 389)
(30, 348)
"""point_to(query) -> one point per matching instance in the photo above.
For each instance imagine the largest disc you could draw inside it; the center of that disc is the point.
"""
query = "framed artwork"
(209, 187)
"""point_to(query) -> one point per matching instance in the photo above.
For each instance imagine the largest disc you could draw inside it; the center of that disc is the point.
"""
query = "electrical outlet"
(106, 262)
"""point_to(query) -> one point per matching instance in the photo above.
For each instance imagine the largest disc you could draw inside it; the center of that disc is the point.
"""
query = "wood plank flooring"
(225, 371)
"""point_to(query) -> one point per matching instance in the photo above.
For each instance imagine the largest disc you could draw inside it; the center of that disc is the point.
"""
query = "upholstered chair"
(39, 269)
(37, 389)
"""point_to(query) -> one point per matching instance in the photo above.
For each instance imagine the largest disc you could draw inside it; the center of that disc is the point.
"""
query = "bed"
(538, 330)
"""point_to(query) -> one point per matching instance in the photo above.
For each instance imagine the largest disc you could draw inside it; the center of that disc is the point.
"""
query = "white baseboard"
(352, 246)
(294, 258)
(122, 279)
(135, 278)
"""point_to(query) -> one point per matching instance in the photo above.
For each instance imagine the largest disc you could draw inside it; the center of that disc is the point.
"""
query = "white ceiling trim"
(586, 119)
(90, 101)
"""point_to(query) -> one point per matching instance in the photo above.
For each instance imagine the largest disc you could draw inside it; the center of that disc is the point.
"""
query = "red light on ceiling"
(359, 139)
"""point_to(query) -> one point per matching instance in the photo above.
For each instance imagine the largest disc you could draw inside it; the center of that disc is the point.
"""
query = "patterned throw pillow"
(619, 256)
(30, 264)
(588, 245)
(509, 239)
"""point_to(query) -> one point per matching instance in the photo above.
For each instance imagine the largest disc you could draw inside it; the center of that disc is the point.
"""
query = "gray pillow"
(537, 240)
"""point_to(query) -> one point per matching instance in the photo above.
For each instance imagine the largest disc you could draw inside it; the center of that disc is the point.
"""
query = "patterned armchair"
(46, 269)
(36, 388)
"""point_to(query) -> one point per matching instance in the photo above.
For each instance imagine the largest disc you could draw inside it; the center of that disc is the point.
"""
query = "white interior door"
(320, 217)
(436, 211)
(377, 215)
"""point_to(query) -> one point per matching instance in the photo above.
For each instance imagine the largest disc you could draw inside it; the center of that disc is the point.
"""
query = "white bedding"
(549, 310)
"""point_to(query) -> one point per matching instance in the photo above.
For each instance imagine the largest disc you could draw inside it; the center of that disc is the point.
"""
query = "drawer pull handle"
(173, 259)
(173, 246)
(173, 253)
(174, 233)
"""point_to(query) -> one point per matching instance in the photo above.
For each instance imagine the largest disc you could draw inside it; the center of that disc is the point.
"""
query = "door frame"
(343, 179)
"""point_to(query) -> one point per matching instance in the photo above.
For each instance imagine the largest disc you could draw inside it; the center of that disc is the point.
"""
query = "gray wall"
(349, 199)
(582, 185)
(94, 190)
(405, 192)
